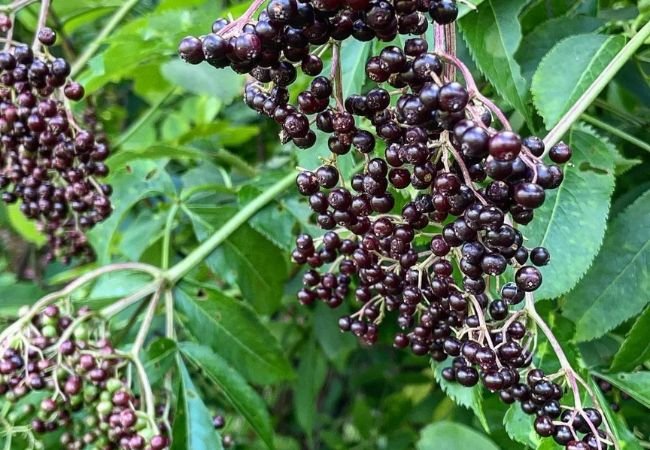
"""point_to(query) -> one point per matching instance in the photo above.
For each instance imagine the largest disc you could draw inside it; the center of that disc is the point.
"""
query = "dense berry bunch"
(427, 232)
(67, 358)
(48, 162)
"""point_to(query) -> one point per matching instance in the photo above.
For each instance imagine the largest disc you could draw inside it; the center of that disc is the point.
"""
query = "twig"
(335, 74)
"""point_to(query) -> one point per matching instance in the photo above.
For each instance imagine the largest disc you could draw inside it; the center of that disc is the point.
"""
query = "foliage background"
(188, 155)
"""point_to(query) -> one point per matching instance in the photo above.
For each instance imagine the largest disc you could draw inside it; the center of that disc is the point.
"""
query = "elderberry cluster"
(57, 356)
(427, 232)
(48, 162)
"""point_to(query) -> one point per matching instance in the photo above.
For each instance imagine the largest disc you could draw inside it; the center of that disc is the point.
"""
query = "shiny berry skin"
(505, 146)
(528, 278)
(191, 50)
(453, 97)
(560, 153)
(529, 195)
(540, 256)
(443, 11)
(544, 426)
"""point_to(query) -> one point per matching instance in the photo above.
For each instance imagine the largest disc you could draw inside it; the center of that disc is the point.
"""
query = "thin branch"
(92, 48)
(335, 75)
(42, 20)
(580, 106)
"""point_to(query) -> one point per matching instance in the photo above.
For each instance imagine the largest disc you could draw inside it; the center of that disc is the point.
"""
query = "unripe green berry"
(49, 331)
(81, 332)
(113, 385)
(104, 407)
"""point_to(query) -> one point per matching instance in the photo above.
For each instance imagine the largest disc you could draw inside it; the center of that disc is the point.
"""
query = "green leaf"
(541, 40)
(519, 426)
(493, 34)
(621, 431)
(453, 436)
(192, 429)
(574, 216)
(353, 60)
(635, 349)
(204, 79)
(242, 397)
(233, 330)
(635, 384)
(159, 358)
(312, 372)
(563, 329)
(131, 183)
(124, 157)
(568, 70)
(616, 287)
(23, 226)
(470, 398)
(259, 265)
(273, 221)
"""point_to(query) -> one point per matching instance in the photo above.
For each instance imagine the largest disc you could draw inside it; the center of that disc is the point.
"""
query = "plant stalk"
(92, 48)
(616, 132)
(579, 107)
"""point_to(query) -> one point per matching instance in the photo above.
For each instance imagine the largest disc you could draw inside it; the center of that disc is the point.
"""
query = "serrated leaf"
(493, 35)
(635, 349)
(192, 429)
(615, 288)
(233, 330)
(312, 372)
(541, 40)
(453, 436)
(273, 221)
(635, 384)
(470, 398)
(621, 431)
(568, 70)
(132, 183)
(242, 397)
(259, 265)
(574, 215)
(519, 426)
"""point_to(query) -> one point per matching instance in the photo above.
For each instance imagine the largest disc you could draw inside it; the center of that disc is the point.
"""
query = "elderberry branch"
(594, 90)
(98, 41)
(42, 20)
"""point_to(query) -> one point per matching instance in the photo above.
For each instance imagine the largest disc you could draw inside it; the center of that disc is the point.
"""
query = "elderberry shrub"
(62, 355)
(435, 264)
(49, 163)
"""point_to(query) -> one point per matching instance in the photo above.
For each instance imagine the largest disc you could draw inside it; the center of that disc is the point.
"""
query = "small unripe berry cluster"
(57, 354)
(48, 162)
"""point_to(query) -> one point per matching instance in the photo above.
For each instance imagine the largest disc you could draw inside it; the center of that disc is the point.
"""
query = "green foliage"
(453, 436)
(555, 91)
(189, 156)
(493, 35)
(575, 214)
(620, 272)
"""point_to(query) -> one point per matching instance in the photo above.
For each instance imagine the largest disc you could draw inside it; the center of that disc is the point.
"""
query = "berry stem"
(580, 106)
(146, 323)
(237, 25)
(335, 75)
(96, 43)
(177, 272)
(42, 20)
(82, 280)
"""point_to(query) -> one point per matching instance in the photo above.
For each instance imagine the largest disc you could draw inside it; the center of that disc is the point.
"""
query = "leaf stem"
(580, 106)
(617, 132)
(135, 127)
(174, 274)
(42, 20)
(92, 48)
(335, 75)
(167, 236)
